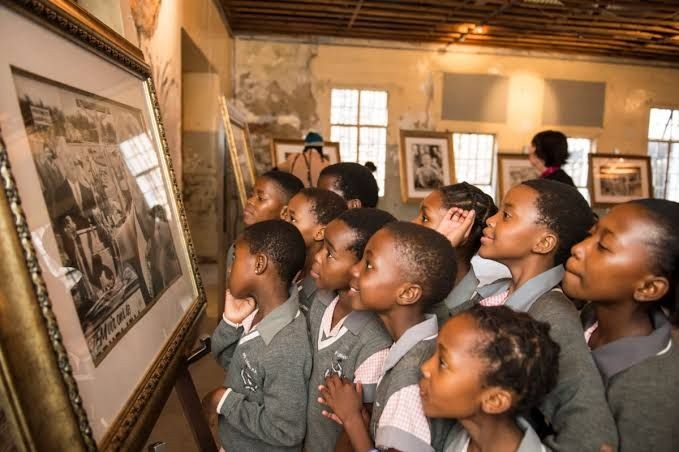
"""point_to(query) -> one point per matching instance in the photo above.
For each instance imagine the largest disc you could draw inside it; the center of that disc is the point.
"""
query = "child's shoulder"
(293, 336)
(555, 306)
(411, 362)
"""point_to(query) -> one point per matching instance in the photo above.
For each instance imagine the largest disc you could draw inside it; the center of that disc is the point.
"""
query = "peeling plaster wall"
(285, 84)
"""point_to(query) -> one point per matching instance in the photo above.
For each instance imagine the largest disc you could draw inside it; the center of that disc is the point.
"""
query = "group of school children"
(345, 329)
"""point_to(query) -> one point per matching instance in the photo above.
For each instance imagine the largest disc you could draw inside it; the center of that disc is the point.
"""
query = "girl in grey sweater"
(628, 269)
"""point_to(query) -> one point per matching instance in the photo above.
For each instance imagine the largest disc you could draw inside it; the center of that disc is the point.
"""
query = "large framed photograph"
(282, 148)
(614, 179)
(426, 163)
(240, 148)
(512, 169)
(100, 288)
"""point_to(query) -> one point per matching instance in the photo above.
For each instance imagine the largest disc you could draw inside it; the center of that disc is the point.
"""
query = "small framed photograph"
(282, 148)
(240, 149)
(614, 179)
(513, 169)
(426, 162)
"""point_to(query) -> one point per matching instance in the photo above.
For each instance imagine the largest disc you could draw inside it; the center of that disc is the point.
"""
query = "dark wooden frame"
(590, 177)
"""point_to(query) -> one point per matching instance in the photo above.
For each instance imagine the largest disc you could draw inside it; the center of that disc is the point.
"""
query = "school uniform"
(460, 298)
(398, 420)
(269, 366)
(307, 291)
(355, 348)
(458, 439)
(576, 408)
(641, 376)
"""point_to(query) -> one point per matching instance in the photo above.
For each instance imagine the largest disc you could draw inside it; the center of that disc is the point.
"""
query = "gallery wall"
(284, 84)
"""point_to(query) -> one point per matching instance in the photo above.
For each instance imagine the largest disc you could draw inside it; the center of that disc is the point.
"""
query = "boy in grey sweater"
(262, 406)
(405, 269)
(347, 343)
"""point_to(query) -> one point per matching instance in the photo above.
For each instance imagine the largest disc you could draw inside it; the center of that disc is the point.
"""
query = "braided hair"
(521, 355)
(468, 197)
(664, 248)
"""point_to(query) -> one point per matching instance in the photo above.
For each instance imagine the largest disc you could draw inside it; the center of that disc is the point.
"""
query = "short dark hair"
(469, 197)
(355, 181)
(564, 211)
(326, 205)
(281, 243)
(521, 355)
(364, 223)
(551, 147)
(664, 248)
(289, 184)
(427, 258)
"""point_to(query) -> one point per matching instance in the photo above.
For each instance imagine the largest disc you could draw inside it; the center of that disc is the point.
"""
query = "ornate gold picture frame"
(100, 290)
(240, 149)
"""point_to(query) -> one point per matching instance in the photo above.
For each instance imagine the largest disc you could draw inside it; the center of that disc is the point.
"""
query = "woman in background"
(548, 153)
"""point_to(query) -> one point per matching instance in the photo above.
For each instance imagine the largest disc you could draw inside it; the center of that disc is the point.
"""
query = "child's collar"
(427, 329)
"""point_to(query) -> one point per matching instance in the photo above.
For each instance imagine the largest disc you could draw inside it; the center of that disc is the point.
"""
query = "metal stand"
(188, 397)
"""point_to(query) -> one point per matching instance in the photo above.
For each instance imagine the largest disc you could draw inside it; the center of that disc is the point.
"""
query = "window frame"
(669, 143)
(493, 157)
(358, 124)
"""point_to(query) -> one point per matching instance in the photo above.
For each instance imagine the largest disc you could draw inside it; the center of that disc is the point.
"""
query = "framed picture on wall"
(614, 179)
(282, 148)
(240, 149)
(426, 162)
(105, 291)
(513, 169)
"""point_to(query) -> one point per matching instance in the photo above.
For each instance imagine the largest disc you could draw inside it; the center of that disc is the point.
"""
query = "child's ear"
(547, 243)
(261, 262)
(354, 204)
(409, 294)
(651, 288)
(320, 234)
(496, 400)
(284, 213)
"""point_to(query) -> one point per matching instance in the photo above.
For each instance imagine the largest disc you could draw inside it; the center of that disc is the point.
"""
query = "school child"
(353, 182)
(310, 211)
(628, 268)
(347, 343)
(405, 269)
(269, 198)
(491, 365)
(433, 210)
(538, 222)
(263, 343)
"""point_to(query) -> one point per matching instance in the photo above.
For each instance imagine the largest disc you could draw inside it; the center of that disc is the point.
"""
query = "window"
(474, 159)
(578, 163)
(358, 121)
(663, 148)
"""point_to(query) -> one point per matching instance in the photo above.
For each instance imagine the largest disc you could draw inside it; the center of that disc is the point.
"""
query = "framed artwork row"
(100, 287)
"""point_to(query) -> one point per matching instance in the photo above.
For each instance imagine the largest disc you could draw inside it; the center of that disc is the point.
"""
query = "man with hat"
(308, 164)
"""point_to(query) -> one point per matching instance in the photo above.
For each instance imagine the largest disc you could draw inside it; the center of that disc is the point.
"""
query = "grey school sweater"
(360, 337)
(268, 371)
(641, 375)
(576, 408)
(402, 369)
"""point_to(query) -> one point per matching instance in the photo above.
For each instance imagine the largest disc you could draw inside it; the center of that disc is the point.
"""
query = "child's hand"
(210, 402)
(235, 310)
(456, 225)
(345, 401)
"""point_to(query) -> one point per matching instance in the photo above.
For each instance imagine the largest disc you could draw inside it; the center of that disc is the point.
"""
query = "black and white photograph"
(614, 179)
(426, 162)
(512, 170)
(427, 165)
(101, 183)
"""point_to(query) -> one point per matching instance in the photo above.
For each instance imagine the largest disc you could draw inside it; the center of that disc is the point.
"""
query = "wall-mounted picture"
(95, 230)
(614, 179)
(282, 148)
(240, 149)
(512, 170)
(426, 163)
